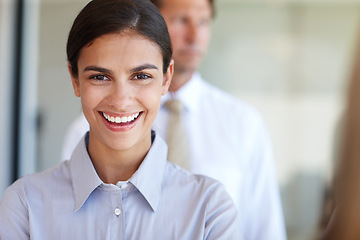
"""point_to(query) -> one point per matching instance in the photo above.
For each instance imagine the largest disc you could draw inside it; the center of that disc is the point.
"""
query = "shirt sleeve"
(73, 135)
(264, 216)
(14, 216)
(222, 218)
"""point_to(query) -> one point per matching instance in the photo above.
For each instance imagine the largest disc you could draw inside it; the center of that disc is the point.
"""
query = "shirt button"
(117, 211)
(124, 186)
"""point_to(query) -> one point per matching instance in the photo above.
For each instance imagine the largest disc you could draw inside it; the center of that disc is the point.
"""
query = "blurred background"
(291, 59)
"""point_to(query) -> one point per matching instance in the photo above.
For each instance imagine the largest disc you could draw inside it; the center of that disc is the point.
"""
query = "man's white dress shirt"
(160, 201)
(229, 142)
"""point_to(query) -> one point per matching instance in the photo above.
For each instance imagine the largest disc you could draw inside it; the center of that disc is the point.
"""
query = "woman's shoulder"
(204, 196)
(44, 180)
(183, 180)
(60, 170)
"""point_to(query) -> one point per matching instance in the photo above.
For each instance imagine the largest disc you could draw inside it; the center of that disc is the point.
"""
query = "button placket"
(117, 212)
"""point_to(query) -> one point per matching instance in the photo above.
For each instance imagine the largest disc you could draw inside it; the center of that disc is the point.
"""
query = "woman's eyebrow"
(143, 67)
(97, 69)
(105, 70)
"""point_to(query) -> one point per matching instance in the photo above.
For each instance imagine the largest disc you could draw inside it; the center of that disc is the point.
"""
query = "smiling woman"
(119, 77)
(118, 184)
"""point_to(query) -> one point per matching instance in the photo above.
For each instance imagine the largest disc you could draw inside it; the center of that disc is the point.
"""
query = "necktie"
(177, 141)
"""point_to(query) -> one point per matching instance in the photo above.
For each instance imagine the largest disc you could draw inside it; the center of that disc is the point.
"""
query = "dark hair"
(159, 3)
(100, 17)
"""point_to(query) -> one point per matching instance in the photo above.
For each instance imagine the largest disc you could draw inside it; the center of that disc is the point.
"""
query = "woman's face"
(120, 82)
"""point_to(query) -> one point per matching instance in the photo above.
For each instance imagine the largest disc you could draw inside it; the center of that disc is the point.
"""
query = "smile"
(123, 120)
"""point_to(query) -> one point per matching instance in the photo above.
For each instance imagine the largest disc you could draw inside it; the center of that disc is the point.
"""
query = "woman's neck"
(113, 165)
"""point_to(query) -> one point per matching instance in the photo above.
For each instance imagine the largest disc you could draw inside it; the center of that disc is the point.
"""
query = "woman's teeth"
(120, 119)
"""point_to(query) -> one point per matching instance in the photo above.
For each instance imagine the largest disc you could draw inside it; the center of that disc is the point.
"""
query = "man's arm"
(264, 217)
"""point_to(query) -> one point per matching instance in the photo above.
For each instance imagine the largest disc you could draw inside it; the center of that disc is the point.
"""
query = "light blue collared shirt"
(160, 201)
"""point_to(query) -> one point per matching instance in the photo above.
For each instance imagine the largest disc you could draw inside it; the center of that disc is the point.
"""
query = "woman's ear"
(74, 81)
(167, 77)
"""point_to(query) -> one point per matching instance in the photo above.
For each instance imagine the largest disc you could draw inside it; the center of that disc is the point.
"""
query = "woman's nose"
(120, 95)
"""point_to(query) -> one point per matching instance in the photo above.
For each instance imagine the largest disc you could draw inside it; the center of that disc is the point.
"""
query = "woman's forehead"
(121, 48)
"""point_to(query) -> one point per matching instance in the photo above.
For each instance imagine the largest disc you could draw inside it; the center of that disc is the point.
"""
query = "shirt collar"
(189, 94)
(149, 176)
(147, 179)
(83, 174)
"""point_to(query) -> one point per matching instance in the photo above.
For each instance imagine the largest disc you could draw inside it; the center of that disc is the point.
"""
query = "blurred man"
(227, 138)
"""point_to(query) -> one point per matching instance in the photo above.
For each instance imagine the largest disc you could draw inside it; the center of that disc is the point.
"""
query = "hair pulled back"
(100, 17)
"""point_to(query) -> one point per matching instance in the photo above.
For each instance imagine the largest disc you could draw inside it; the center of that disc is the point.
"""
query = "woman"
(118, 184)
(344, 221)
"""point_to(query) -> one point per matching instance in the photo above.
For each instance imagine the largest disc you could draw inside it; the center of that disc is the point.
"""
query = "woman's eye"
(99, 78)
(142, 76)
(181, 20)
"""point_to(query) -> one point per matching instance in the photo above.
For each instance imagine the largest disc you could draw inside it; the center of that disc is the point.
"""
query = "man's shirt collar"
(189, 94)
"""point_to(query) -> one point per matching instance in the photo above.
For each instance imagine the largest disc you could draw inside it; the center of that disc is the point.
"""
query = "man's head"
(188, 22)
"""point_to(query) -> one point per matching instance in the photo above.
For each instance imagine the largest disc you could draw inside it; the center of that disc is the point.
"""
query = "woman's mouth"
(121, 120)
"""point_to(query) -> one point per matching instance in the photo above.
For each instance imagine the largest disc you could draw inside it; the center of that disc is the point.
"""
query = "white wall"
(292, 62)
